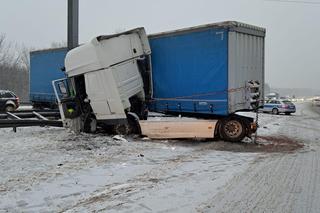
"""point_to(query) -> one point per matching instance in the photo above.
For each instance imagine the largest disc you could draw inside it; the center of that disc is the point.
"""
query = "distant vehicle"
(8, 101)
(273, 96)
(316, 102)
(279, 106)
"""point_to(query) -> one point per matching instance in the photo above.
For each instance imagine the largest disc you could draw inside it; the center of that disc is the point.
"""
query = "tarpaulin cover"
(190, 72)
(45, 66)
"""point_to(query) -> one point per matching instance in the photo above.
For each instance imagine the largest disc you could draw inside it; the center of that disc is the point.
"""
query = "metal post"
(73, 24)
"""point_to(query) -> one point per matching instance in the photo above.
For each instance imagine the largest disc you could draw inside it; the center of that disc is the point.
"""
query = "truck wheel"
(275, 111)
(90, 125)
(139, 108)
(9, 108)
(232, 129)
(133, 120)
(121, 129)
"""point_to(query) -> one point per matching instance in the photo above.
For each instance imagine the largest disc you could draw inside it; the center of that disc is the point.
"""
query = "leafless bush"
(14, 68)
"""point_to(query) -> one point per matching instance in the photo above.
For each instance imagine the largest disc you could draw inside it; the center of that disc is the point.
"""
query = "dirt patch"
(269, 144)
(87, 142)
(264, 143)
(279, 144)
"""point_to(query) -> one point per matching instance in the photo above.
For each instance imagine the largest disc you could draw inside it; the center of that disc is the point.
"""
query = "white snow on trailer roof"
(48, 50)
(234, 25)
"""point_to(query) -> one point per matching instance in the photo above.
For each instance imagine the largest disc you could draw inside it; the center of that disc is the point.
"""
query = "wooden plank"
(178, 129)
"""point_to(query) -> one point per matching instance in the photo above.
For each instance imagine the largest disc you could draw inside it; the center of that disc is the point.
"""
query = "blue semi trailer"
(206, 70)
(45, 66)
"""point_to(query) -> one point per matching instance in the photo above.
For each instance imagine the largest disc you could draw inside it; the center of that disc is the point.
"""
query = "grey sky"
(293, 30)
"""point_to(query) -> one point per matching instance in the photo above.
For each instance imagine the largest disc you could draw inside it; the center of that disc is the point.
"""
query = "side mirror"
(62, 88)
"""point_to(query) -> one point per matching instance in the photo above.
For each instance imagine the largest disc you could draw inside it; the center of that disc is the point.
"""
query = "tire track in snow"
(280, 182)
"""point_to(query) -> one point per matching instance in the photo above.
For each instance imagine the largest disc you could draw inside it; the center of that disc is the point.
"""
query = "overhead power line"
(296, 1)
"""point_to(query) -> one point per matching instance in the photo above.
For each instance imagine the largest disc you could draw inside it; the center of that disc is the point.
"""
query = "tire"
(288, 113)
(139, 108)
(133, 121)
(9, 108)
(275, 111)
(90, 125)
(121, 129)
(232, 129)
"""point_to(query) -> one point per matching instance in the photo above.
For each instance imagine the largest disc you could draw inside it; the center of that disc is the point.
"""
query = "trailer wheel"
(232, 129)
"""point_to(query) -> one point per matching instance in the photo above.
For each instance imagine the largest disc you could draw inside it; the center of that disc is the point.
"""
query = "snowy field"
(53, 170)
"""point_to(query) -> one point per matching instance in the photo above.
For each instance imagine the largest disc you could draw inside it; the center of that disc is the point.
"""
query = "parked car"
(279, 106)
(8, 101)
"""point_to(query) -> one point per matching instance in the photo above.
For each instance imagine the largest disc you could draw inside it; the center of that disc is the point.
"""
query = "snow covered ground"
(53, 170)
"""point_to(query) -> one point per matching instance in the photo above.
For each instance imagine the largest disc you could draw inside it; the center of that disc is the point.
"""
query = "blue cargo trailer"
(45, 66)
(207, 70)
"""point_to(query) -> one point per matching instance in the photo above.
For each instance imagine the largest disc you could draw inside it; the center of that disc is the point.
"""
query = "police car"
(279, 106)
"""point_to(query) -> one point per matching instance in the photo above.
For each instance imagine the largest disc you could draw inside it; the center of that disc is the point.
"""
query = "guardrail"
(25, 118)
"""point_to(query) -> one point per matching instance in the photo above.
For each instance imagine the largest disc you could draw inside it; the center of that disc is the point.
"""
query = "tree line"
(14, 68)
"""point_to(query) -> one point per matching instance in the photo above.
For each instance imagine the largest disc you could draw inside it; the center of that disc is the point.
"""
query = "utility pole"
(73, 24)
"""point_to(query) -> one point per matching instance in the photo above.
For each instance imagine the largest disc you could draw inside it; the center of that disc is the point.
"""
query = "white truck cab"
(104, 80)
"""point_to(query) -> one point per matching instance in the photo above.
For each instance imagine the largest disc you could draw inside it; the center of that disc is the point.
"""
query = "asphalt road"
(315, 108)
(282, 182)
